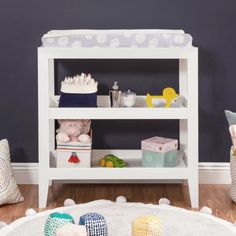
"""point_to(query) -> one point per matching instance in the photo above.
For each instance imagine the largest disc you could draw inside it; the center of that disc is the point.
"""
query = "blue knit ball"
(55, 221)
(95, 224)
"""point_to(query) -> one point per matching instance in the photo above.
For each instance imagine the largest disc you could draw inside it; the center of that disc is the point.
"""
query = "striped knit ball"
(146, 226)
(95, 224)
(55, 221)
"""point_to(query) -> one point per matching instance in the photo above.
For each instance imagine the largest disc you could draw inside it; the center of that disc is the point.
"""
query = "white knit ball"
(69, 202)
(121, 199)
(30, 212)
(206, 210)
(163, 201)
(72, 230)
(2, 224)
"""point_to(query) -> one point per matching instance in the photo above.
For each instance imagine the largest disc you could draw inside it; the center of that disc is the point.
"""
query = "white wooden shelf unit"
(48, 111)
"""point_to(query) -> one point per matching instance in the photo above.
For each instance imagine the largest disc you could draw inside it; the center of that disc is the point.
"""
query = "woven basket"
(233, 176)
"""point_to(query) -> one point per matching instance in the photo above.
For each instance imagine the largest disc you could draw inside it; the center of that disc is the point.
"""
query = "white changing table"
(48, 111)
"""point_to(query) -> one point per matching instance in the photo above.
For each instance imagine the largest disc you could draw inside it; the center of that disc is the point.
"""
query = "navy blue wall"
(211, 23)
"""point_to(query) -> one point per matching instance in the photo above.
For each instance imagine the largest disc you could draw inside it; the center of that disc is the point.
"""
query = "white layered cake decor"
(79, 84)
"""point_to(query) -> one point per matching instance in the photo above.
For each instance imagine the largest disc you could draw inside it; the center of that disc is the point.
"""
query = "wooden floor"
(213, 196)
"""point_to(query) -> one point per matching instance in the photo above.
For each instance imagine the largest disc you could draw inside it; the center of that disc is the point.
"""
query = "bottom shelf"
(134, 172)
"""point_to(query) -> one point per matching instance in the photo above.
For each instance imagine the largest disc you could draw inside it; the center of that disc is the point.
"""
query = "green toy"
(111, 160)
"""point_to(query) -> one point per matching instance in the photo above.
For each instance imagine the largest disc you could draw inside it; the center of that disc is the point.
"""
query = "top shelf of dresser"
(117, 53)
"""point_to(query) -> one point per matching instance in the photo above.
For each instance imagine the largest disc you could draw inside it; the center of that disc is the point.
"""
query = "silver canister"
(115, 95)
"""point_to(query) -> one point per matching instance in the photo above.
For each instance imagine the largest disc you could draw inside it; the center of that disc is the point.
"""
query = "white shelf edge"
(118, 113)
(117, 53)
(118, 173)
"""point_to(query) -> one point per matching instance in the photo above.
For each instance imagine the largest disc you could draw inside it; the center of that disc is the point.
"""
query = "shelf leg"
(44, 145)
(192, 125)
(193, 192)
(43, 191)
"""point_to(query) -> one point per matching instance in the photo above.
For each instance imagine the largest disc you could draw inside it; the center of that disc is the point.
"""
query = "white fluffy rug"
(175, 221)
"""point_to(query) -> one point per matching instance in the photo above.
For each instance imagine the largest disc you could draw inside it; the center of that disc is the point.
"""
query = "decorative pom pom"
(164, 201)
(30, 212)
(121, 199)
(206, 210)
(69, 202)
(2, 224)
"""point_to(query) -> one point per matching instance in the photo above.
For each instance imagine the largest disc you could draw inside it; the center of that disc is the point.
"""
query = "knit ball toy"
(71, 230)
(95, 224)
(146, 226)
(55, 221)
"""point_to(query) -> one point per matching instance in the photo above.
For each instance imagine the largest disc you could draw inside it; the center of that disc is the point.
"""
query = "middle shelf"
(104, 111)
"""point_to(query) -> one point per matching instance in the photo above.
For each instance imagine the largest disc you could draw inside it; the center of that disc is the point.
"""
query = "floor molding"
(209, 173)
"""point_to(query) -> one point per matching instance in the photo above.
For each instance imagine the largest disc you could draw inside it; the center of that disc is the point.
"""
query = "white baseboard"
(209, 173)
(25, 173)
(214, 173)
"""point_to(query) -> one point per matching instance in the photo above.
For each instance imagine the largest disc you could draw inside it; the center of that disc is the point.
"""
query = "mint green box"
(157, 159)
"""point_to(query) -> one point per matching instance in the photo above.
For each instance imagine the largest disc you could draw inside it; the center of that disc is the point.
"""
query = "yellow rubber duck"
(168, 94)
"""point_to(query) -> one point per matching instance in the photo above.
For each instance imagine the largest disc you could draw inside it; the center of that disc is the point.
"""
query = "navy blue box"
(78, 100)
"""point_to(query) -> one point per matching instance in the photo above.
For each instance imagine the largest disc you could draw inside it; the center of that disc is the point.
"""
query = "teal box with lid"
(158, 159)
(159, 152)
